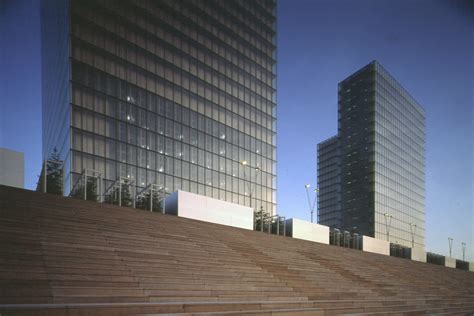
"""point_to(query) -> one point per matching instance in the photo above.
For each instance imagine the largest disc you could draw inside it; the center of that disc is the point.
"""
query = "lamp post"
(412, 230)
(316, 197)
(311, 205)
(388, 223)
(463, 245)
(450, 242)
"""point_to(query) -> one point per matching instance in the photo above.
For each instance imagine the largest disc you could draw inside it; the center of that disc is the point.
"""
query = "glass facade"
(329, 183)
(381, 138)
(176, 93)
(55, 84)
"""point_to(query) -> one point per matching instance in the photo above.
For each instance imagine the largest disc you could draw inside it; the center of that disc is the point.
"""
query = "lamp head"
(307, 186)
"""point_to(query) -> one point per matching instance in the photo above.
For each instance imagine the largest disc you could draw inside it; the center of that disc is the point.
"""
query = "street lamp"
(388, 223)
(463, 245)
(412, 230)
(311, 205)
(450, 242)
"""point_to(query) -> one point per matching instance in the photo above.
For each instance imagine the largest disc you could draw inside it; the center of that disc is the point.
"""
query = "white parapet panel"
(471, 266)
(418, 254)
(379, 246)
(450, 262)
(203, 208)
(300, 229)
(12, 170)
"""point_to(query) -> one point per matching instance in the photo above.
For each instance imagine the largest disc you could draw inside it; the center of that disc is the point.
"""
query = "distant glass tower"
(167, 92)
(371, 175)
(329, 183)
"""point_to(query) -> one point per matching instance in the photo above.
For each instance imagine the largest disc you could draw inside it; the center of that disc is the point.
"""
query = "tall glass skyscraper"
(376, 161)
(329, 183)
(169, 92)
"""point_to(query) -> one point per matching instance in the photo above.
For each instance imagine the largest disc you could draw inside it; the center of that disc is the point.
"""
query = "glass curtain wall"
(377, 160)
(178, 94)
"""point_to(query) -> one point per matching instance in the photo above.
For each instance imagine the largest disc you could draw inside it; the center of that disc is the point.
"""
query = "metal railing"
(83, 182)
(270, 224)
(400, 251)
(147, 197)
(117, 189)
(345, 239)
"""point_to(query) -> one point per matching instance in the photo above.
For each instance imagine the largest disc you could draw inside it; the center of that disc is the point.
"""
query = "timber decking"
(64, 256)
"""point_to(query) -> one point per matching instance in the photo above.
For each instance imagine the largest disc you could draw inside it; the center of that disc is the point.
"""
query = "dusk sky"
(428, 46)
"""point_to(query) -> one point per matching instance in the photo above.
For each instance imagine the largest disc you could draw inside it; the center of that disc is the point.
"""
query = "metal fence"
(400, 251)
(345, 239)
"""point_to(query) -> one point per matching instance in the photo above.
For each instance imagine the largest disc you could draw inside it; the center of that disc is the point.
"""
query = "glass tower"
(380, 158)
(168, 92)
(329, 183)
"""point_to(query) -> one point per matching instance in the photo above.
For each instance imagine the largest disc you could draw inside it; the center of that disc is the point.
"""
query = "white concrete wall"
(471, 266)
(450, 262)
(370, 244)
(418, 254)
(308, 231)
(12, 168)
(207, 209)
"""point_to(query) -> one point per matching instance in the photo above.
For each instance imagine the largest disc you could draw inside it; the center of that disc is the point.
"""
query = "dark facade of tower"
(380, 157)
(173, 93)
(329, 183)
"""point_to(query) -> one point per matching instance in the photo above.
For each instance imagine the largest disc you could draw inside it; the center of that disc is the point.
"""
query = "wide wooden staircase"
(61, 256)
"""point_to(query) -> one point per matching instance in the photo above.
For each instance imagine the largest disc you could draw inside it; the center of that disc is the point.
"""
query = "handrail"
(85, 174)
(118, 184)
(154, 188)
(270, 217)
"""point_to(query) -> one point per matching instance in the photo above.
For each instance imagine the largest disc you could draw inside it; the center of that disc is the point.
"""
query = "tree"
(143, 202)
(54, 175)
(91, 190)
(260, 217)
(125, 196)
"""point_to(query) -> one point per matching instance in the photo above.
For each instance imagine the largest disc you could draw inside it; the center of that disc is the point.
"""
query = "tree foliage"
(54, 175)
(125, 195)
(91, 191)
(260, 219)
(144, 202)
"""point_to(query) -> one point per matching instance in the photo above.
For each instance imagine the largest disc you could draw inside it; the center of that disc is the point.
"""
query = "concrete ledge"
(450, 262)
(370, 244)
(418, 254)
(203, 208)
(305, 230)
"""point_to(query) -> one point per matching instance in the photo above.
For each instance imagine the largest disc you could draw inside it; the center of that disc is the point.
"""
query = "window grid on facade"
(174, 93)
(375, 165)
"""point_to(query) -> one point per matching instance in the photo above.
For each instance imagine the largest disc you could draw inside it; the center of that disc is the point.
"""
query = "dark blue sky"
(426, 45)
